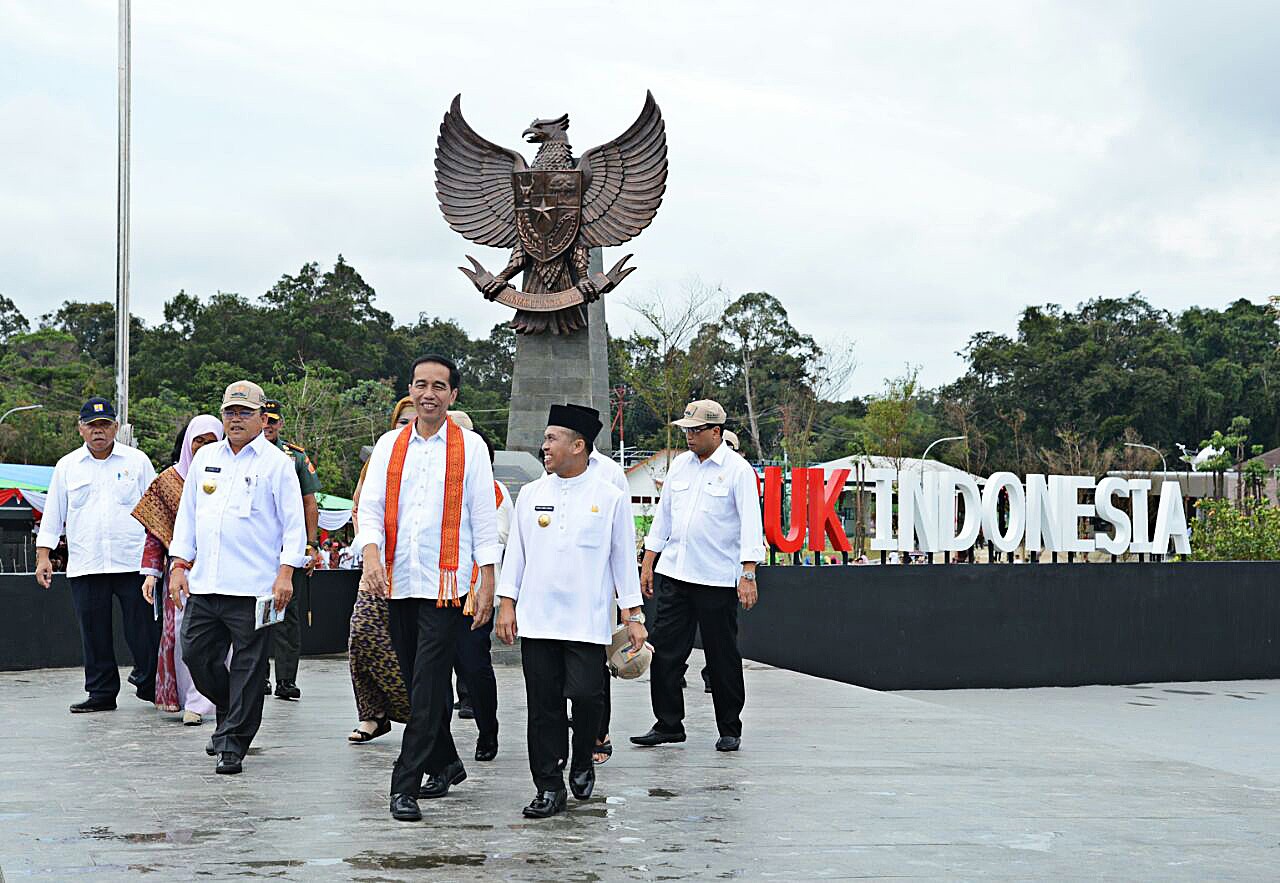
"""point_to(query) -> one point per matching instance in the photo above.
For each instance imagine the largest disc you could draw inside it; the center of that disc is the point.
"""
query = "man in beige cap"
(709, 533)
(238, 537)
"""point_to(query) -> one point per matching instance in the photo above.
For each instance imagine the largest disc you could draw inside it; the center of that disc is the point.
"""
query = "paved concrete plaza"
(833, 782)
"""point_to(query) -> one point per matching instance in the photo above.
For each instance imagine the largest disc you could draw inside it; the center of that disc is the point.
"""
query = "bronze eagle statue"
(550, 214)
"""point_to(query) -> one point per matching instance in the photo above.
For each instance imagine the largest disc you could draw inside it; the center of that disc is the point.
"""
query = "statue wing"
(624, 180)
(473, 182)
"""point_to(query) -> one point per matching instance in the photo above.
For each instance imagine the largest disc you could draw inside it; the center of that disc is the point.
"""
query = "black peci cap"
(584, 421)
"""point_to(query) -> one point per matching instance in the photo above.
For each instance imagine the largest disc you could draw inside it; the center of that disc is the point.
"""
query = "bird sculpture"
(550, 214)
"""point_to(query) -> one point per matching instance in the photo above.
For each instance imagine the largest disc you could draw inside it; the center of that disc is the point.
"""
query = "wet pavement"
(833, 782)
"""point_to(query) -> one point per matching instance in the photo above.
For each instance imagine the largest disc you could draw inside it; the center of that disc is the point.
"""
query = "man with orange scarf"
(426, 508)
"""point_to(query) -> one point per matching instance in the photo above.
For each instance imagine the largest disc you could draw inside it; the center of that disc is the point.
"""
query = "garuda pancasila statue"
(550, 214)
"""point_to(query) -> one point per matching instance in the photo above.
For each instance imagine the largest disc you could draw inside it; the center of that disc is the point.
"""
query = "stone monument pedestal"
(555, 369)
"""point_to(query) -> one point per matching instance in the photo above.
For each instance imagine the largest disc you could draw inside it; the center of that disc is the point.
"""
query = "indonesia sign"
(946, 511)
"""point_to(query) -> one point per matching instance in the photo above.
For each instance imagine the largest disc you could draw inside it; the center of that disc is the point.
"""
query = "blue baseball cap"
(97, 408)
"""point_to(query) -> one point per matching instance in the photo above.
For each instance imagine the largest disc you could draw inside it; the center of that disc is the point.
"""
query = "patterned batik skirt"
(375, 670)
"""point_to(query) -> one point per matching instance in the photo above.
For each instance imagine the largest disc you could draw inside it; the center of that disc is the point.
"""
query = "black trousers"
(474, 664)
(91, 597)
(211, 625)
(286, 637)
(553, 672)
(425, 638)
(682, 609)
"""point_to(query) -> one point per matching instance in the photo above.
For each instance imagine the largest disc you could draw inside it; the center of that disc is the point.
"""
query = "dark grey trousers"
(425, 638)
(211, 625)
(553, 672)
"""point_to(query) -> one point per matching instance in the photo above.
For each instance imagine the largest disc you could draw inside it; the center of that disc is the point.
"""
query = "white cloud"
(903, 175)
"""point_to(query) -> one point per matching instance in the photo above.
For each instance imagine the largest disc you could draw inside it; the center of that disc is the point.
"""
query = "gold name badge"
(544, 520)
(209, 487)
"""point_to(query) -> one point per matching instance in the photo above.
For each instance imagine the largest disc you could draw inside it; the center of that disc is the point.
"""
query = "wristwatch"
(749, 575)
(636, 617)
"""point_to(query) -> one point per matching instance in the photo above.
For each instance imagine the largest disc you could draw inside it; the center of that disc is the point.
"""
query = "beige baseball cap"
(463, 419)
(700, 413)
(624, 662)
(731, 439)
(245, 394)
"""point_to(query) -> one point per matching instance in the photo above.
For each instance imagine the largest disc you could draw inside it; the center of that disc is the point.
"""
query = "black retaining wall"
(893, 627)
(39, 630)
(1003, 625)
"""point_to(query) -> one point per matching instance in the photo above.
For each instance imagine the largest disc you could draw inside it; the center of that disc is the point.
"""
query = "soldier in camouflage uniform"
(287, 641)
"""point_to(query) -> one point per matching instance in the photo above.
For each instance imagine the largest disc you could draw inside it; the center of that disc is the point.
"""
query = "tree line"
(1063, 393)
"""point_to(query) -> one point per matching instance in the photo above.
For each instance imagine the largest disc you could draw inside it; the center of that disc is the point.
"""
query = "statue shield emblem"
(548, 209)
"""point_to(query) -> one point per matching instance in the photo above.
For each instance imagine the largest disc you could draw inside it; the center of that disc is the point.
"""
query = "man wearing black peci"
(570, 556)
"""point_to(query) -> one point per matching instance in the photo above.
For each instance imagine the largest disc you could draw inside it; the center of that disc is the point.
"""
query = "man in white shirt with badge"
(611, 471)
(91, 495)
(239, 536)
(570, 556)
(427, 509)
(710, 535)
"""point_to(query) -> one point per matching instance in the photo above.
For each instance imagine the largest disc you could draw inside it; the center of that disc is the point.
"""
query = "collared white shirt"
(573, 540)
(708, 519)
(610, 471)
(415, 571)
(92, 501)
(505, 512)
(240, 519)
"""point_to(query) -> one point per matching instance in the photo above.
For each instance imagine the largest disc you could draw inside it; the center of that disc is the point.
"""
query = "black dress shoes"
(728, 743)
(545, 804)
(486, 749)
(209, 749)
(438, 784)
(657, 737)
(228, 764)
(582, 782)
(90, 705)
(404, 808)
(466, 712)
(266, 687)
(287, 690)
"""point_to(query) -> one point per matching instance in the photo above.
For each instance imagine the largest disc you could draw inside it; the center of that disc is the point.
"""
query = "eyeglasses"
(238, 413)
(694, 430)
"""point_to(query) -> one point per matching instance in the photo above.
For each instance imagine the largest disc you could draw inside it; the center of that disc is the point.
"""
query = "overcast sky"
(899, 174)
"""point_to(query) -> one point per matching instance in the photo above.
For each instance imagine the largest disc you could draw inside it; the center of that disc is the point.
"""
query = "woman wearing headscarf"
(157, 511)
(381, 695)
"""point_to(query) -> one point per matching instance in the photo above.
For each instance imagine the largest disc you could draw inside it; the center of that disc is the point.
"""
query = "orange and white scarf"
(455, 467)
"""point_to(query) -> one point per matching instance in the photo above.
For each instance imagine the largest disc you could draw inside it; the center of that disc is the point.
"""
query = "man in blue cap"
(91, 495)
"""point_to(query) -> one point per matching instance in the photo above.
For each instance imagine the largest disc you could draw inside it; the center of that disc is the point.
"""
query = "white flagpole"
(122, 233)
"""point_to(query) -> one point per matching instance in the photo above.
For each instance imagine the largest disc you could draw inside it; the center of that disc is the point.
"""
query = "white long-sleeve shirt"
(565, 575)
(505, 511)
(708, 519)
(240, 519)
(416, 569)
(91, 500)
(610, 470)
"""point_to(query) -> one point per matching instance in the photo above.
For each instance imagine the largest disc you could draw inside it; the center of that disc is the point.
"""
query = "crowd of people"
(223, 538)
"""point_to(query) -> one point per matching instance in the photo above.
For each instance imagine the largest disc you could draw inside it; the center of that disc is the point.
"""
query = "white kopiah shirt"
(416, 570)
(240, 519)
(91, 500)
(708, 519)
(573, 540)
(610, 471)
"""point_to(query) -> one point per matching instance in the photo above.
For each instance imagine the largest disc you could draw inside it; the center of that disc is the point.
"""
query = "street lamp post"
(1163, 465)
(925, 455)
(19, 408)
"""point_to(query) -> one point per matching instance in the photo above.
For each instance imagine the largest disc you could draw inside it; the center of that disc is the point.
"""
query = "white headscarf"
(201, 424)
